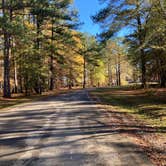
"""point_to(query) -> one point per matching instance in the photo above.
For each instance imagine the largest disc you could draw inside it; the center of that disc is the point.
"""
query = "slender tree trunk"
(117, 81)
(119, 71)
(163, 80)
(15, 69)
(15, 77)
(6, 89)
(109, 73)
(52, 61)
(162, 73)
(70, 79)
(91, 78)
(84, 81)
(52, 73)
(142, 53)
(38, 87)
(143, 69)
(21, 84)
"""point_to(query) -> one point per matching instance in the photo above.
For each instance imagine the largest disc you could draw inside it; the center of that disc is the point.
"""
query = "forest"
(42, 48)
(73, 94)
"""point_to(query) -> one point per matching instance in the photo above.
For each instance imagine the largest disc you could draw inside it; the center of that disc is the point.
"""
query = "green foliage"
(38, 35)
(145, 42)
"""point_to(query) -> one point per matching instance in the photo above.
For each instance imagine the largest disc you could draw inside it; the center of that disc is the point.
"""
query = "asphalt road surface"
(67, 130)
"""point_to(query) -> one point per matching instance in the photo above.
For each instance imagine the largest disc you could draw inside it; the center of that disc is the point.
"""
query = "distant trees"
(42, 50)
(155, 41)
(33, 34)
(92, 56)
(113, 60)
(105, 64)
(146, 39)
(8, 30)
(118, 70)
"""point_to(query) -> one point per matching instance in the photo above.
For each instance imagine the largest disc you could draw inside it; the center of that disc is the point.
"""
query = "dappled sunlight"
(149, 103)
(68, 129)
(140, 116)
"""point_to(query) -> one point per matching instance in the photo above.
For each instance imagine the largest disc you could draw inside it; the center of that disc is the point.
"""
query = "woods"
(145, 39)
(83, 82)
(35, 35)
(42, 48)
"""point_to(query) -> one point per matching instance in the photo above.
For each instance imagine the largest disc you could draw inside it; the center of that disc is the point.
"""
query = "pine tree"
(126, 14)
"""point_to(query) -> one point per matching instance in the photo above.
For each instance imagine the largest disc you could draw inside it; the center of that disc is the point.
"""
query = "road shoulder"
(149, 139)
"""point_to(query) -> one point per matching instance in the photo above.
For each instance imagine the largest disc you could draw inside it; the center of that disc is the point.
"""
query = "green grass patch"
(20, 98)
(148, 105)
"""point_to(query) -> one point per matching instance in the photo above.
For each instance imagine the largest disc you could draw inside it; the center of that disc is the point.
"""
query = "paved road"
(68, 130)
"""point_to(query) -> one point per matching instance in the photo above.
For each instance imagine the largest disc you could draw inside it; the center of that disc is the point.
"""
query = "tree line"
(145, 40)
(42, 48)
(34, 37)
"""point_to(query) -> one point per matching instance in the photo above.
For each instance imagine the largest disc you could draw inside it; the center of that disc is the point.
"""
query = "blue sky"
(86, 9)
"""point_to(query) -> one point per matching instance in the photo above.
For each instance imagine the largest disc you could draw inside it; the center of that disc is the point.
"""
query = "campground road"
(66, 130)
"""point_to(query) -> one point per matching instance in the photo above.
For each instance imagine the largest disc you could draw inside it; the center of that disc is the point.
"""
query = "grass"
(147, 105)
(20, 98)
(4, 103)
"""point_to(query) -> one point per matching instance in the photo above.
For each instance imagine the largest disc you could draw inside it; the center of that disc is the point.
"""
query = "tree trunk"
(20, 84)
(52, 61)
(143, 69)
(15, 78)
(15, 69)
(109, 73)
(119, 71)
(38, 86)
(142, 53)
(84, 81)
(91, 78)
(163, 80)
(6, 89)
(162, 73)
(52, 73)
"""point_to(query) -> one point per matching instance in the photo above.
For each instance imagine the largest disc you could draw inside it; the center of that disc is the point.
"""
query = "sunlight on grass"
(147, 105)
(20, 98)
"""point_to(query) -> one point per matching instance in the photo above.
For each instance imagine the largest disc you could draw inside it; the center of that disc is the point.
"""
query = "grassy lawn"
(147, 105)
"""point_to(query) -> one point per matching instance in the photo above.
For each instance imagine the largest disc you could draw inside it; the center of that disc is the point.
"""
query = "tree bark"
(15, 68)
(6, 89)
(143, 69)
(15, 77)
(52, 61)
(162, 73)
(84, 81)
(163, 80)
(52, 73)
(142, 53)
(109, 73)
(119, 71)
(38, 87)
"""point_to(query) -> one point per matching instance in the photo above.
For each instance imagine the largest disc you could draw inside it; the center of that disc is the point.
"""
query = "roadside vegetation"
(42, 48)
(17, 99)
(148, 105)
(138, 113)
(43, 51)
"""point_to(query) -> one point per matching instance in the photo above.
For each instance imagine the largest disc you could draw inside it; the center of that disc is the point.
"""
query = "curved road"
(67, 130)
